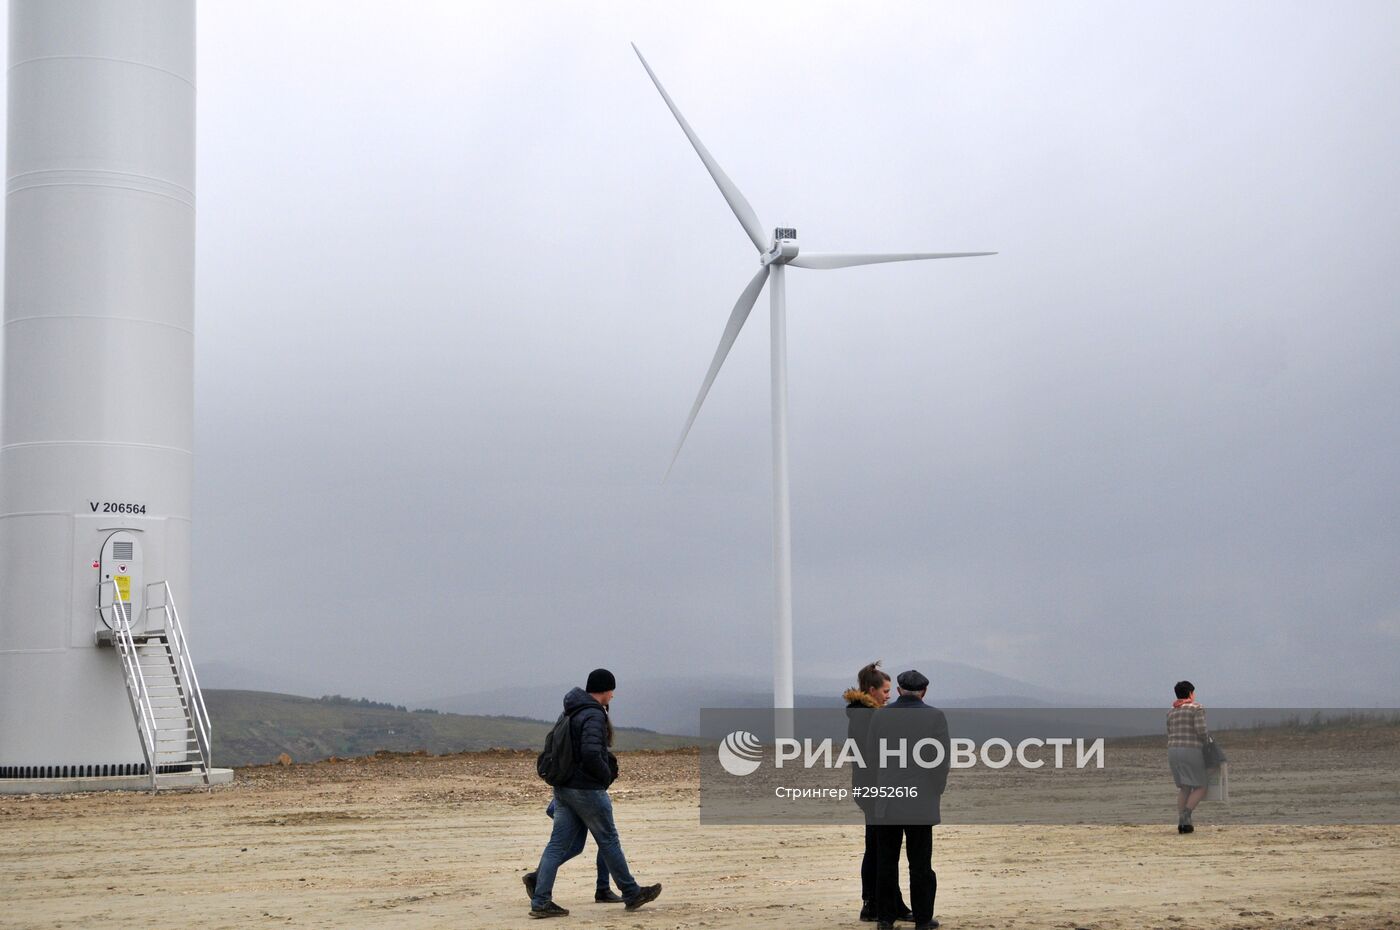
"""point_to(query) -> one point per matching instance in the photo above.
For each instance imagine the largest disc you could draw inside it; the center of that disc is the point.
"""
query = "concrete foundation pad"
(110, 783)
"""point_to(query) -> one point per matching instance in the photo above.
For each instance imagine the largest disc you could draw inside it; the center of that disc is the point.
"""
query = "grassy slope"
(252, 727)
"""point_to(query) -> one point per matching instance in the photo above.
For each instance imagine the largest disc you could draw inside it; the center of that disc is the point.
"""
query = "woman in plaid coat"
(1186, 740)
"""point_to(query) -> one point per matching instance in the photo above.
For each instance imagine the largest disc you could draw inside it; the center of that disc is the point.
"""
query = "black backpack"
(556, 763)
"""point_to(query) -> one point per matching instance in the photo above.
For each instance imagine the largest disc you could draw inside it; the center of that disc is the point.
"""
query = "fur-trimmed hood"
(855, 696)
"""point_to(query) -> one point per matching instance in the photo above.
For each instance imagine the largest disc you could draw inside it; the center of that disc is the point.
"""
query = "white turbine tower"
(774, 254)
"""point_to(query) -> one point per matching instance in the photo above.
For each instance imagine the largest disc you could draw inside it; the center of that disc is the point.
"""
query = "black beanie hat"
(600, 680)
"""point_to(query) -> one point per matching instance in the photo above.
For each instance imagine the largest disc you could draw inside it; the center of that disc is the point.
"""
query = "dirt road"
(441, 842)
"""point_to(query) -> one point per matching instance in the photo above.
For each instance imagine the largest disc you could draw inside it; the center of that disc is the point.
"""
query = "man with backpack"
(578, 763)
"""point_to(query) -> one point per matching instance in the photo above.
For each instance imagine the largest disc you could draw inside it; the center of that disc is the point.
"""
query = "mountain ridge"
(256, 727)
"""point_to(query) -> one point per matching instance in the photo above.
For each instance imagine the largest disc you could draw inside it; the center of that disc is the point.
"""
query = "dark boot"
(647, 894)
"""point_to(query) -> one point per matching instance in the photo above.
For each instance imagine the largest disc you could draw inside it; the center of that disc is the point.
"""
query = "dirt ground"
(416, 841)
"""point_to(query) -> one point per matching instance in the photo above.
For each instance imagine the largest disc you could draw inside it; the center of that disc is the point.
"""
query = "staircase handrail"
(175, 632)
(141, 707)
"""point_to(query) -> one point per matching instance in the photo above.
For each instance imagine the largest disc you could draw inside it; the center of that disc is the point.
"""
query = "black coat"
(909, 718)
(860, 710)
(595, 767)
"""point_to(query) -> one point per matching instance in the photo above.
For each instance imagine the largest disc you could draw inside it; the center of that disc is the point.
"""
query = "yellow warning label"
(123, 587)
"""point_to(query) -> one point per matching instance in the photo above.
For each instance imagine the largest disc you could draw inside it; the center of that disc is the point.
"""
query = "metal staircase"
(166, 700)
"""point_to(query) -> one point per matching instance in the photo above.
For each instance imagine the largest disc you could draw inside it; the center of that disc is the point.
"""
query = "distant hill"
(255, 727)
(673, 705)
(228, 676)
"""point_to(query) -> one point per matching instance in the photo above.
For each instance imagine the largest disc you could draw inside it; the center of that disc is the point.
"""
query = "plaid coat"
(1186, 727)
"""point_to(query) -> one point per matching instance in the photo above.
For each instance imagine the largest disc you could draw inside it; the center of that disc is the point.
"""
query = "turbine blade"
(737, 316)
(747, 218)
(848, 259)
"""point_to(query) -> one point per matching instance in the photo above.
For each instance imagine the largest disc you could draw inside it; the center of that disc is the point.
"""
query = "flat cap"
(912, 680)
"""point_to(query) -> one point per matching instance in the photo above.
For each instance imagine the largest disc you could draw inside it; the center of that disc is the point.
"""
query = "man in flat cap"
(916, 783)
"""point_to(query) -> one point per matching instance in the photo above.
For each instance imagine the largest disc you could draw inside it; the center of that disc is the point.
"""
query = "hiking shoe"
(529, 879)
(648, 893)
(606, 896)
(550, 909)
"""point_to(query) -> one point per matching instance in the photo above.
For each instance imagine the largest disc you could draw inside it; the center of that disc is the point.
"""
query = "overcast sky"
(460, 276)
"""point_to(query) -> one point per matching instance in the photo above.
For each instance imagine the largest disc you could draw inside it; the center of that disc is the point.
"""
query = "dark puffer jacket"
(595, 766)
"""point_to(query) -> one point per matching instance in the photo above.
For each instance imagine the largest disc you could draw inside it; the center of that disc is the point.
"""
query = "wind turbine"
(773, 256)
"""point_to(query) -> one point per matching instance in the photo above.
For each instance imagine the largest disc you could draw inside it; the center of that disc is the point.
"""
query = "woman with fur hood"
(871, 693)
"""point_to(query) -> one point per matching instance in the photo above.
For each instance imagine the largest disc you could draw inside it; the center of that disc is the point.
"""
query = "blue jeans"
(602, 863)
(577, 813)
(577, 848)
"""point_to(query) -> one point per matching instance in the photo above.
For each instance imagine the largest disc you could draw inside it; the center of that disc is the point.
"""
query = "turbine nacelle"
(783, 249)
